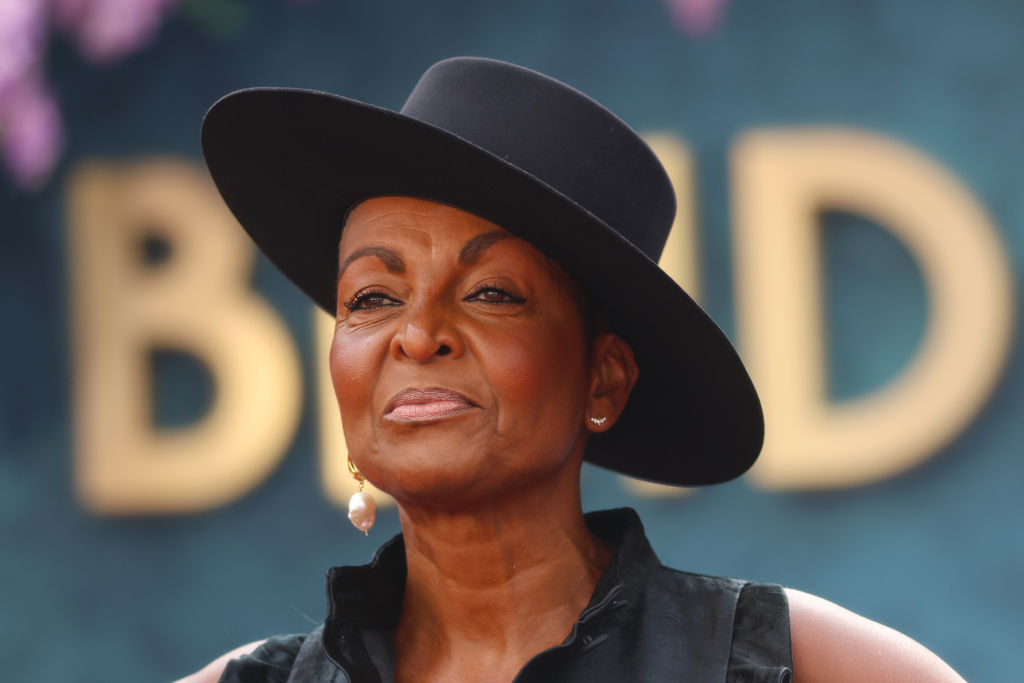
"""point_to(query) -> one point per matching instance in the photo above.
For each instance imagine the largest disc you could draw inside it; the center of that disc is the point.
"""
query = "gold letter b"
(197, 301)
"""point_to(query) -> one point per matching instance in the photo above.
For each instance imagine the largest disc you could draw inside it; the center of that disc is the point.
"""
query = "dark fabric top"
(644, 622)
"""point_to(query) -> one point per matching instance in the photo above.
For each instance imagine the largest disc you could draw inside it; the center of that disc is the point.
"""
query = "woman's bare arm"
(212, 671)
(833, 644)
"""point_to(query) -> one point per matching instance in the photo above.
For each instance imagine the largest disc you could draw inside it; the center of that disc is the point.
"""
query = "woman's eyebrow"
(476, 246)
(391, 260)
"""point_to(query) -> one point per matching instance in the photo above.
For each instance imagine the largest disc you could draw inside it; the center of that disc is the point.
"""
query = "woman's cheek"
(353, 374)
(535, 369)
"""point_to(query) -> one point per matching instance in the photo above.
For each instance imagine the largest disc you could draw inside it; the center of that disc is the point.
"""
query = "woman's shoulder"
(271, 658)
(212, 671)
(775, 629)
(831, 643)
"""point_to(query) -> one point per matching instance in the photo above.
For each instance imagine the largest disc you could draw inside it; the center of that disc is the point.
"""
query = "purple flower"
(107, 30)
(697, 17)
(31, 132)
(22, 41)
(33, 136)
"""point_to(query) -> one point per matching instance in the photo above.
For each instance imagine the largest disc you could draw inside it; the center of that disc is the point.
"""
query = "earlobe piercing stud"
(362, 508)
(598, 421)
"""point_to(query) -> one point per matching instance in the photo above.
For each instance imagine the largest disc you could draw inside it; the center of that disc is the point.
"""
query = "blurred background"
(850, 213)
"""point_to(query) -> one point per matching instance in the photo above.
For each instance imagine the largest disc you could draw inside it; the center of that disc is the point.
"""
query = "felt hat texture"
(543, 161)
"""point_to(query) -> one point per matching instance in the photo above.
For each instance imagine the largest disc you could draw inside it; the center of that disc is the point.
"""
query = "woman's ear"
(613, 372)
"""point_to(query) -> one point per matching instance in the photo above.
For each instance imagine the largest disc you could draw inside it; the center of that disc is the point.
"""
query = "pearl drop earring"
(362, 508)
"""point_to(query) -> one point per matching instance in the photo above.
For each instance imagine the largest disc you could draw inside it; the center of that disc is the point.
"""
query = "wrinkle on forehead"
(411, 210)
(420, 220)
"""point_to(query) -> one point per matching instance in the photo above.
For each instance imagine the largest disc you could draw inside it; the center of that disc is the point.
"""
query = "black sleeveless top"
(644, 622)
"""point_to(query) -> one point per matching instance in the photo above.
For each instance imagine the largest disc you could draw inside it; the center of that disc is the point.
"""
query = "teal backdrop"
(937, 552)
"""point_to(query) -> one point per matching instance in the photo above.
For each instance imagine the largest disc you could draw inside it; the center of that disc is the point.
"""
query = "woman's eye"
(368, 301)
(494, 295)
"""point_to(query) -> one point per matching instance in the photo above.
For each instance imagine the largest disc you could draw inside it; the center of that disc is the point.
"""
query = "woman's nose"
(427, 332)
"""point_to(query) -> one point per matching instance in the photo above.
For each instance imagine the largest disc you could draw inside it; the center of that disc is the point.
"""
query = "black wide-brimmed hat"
(545, 162)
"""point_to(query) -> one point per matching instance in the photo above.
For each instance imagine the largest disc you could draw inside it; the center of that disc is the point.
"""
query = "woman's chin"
(435, 474)
(456, 468)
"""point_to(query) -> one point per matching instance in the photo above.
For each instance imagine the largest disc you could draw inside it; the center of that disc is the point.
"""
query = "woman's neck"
(489, 587)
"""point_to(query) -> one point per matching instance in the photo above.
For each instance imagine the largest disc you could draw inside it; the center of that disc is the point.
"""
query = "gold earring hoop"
(356, 474)
(362, 508)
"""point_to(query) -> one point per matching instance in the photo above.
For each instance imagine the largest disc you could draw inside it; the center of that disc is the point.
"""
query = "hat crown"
(558, 135)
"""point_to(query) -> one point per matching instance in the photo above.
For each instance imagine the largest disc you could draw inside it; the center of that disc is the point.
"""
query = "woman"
(490, 254)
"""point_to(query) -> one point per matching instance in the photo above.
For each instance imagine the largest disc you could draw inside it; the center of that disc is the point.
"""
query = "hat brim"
(291, 163)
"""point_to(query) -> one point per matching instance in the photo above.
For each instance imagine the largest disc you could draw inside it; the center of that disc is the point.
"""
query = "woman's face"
(459, 356)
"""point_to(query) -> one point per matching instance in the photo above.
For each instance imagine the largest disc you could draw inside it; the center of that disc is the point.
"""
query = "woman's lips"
(425, 405)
